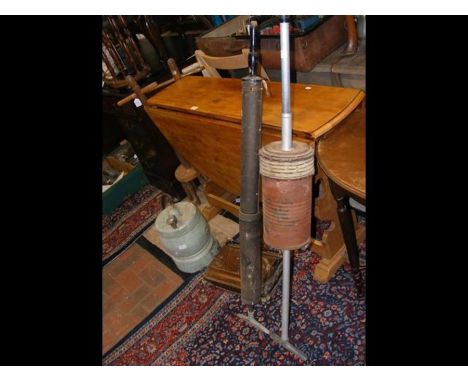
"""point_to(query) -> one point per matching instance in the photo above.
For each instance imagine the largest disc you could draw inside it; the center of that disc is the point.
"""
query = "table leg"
(330, 247)
(349, 235)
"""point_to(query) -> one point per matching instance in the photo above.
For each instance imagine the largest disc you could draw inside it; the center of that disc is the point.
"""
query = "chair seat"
(186, 174)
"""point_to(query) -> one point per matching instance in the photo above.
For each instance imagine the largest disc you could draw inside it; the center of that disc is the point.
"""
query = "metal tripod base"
(285, 343)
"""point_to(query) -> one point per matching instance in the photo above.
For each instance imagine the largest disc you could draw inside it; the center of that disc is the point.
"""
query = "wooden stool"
(341, 156)
(186, 176)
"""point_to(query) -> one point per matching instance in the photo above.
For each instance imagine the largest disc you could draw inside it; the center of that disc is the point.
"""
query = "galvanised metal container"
(186, 236)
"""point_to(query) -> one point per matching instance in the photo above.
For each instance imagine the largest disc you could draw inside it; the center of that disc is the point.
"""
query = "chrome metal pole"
(285, 297)
(286, 144)
(286, 126)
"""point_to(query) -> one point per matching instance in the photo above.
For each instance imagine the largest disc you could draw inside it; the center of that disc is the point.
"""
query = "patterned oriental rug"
(129, 220)
(198, 325)
(134, 284)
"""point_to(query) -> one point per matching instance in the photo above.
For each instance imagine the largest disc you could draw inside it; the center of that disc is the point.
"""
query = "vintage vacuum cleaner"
(287, 168)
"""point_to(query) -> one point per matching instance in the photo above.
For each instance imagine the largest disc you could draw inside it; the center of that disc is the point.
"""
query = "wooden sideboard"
(201, 118)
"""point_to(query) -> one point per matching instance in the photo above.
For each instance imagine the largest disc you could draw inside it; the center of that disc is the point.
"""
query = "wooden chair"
(211, 63)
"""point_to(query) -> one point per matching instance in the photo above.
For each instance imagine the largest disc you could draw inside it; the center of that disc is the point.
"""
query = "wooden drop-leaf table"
(201, 118)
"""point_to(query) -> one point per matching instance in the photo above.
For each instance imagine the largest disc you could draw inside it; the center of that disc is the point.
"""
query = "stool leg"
(349, 235)
(191, 192)
(187, 190)
(194, 195)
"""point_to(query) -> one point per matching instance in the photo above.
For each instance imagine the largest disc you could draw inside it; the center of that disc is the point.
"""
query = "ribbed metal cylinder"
(190, 244)
(287, 194)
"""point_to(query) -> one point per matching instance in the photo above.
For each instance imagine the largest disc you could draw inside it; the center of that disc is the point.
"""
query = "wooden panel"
(211, 146)
(315, 109)
(220, 198)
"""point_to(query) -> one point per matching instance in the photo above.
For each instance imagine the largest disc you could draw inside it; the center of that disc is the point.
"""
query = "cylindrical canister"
(250, 229)
(186, 236)
(287, 194)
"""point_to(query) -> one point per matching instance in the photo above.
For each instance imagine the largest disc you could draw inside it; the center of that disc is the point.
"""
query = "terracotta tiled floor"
(134, 284)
